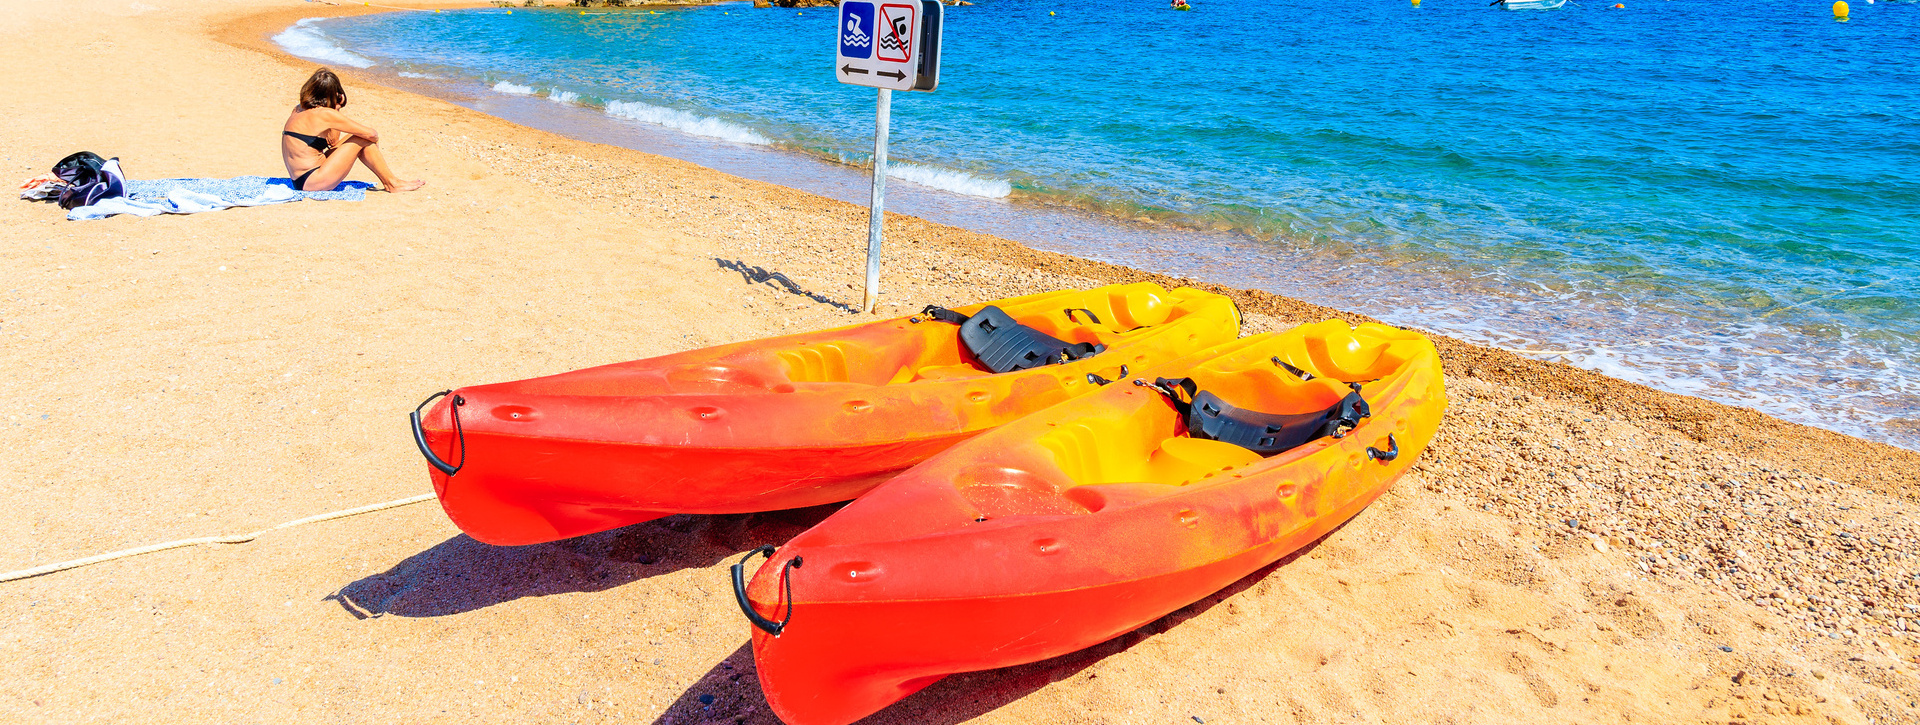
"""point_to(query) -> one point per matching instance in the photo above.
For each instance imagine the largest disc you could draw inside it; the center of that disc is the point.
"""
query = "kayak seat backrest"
(1213, 418)
(1003, 344)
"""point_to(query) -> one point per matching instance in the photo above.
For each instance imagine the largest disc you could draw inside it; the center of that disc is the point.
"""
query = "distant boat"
(1532, 4)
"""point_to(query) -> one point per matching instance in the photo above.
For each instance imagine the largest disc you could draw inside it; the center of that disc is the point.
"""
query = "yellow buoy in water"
(1416, 3)
(1840, 8)
(1049, 13)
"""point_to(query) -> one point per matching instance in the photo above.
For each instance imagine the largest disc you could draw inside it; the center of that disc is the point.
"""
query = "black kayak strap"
(944, 315)
(1003, 345)
(1209, 417)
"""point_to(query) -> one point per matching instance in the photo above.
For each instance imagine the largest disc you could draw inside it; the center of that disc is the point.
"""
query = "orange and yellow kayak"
(1091, 518)
(785, 422)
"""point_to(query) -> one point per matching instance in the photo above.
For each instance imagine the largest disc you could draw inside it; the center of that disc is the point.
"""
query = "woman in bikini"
(319, 143)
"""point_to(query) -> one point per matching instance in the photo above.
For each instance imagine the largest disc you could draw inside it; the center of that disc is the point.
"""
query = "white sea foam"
(512, 88)
(683, 121)
(306, 41)
(958, 182)
(563, 97)
(410, 74)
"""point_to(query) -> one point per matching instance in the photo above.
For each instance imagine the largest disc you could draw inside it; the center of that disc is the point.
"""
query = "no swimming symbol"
(896, 36)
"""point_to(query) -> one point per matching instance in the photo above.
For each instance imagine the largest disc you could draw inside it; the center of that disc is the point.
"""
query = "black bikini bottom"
(300, 183)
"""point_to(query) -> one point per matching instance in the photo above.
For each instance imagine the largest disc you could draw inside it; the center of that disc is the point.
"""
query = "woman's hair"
(322, 90)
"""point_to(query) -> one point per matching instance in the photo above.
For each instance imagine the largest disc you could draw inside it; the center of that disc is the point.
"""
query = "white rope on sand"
(230, 539)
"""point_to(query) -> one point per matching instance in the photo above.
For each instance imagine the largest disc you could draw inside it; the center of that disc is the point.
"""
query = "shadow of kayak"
(461, 575)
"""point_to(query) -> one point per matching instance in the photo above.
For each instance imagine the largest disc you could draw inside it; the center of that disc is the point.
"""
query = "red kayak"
(784, 422)
(1091, 518)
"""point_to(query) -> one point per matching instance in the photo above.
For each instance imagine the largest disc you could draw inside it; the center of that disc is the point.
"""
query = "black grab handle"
(1392, 451)
(420, 436)
(740, 591)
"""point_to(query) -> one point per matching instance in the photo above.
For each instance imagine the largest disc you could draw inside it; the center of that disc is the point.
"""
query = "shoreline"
(1673, 349)
(1854, 460)
(1570, 549)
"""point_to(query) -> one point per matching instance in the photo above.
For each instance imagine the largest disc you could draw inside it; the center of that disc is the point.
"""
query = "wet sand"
(1573, 548)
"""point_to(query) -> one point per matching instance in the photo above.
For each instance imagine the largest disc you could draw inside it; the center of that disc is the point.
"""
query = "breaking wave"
(958, 182)
(684, 121)
(306, 41)
(512, 88)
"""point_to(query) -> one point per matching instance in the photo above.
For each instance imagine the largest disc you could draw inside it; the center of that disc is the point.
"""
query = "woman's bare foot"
(400, 186)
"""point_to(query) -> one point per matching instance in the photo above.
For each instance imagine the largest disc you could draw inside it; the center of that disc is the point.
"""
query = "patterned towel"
(192, 196)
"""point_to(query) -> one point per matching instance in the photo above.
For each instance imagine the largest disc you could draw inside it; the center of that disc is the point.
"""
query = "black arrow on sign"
(848, 68)
(896, 75)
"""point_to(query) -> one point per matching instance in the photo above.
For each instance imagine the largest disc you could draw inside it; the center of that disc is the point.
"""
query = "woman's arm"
(338, 121)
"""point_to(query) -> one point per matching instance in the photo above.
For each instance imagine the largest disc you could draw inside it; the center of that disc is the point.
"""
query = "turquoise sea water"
(1713, 197)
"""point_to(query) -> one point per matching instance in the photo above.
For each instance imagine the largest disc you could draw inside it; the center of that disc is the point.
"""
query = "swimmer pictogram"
(854, 37)
(855, 20)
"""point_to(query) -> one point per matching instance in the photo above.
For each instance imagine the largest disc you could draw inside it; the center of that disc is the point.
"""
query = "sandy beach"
(1574, 549)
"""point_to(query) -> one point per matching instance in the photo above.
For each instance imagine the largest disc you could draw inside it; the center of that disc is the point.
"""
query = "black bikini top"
(318, 144)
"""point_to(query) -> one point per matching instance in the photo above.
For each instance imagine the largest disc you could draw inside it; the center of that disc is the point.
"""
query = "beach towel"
(192, 196)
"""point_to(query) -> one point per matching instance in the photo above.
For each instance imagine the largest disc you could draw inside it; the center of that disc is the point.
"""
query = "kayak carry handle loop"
(740, 590)
(1392, 451)
(460, 436)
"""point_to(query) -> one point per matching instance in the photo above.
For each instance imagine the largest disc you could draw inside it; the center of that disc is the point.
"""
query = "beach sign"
(892, 44)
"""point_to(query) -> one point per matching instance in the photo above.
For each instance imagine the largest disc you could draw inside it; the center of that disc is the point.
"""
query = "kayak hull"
(1016, 547)
(547, 490)
(817, 684)
(786, 422)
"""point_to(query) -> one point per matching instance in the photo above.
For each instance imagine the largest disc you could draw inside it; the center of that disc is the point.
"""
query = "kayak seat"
(1182, 461)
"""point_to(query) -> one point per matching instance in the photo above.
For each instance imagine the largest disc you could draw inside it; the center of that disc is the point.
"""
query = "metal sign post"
(878, 202)
(890, 45)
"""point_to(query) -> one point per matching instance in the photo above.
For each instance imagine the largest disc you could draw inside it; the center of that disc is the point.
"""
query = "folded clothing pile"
(42, 188)
(78, 180)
